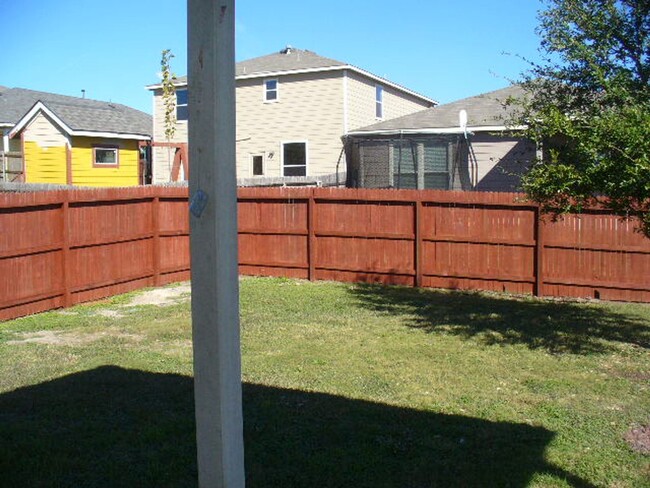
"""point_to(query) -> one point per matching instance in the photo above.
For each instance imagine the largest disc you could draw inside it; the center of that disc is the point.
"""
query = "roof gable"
(78, 114)
(55, 115)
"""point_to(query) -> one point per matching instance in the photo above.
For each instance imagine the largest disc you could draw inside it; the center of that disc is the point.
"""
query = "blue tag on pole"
(198, 203)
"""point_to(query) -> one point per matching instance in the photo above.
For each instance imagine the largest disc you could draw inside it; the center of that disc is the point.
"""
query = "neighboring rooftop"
(293, 60)
(81, 114)
(488, 110)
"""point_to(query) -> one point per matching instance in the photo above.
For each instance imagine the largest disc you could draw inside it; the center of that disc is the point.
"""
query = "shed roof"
(81, 114)
(488, 111)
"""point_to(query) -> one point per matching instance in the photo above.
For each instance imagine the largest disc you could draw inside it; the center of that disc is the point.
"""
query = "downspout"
(5, 150)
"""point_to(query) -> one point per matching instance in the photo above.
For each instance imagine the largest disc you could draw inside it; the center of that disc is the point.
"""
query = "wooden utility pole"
(213, 243)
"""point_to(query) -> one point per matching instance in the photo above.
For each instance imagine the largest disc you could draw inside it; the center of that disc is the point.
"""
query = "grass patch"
(344, 385)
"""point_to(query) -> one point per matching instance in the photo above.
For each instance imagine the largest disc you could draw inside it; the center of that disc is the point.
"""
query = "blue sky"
(445, 50)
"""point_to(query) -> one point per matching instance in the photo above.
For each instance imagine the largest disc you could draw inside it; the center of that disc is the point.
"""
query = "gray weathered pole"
(213, 228)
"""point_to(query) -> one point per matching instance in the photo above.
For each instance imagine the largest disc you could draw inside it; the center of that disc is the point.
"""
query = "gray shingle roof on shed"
(78, 113)
(485, 110)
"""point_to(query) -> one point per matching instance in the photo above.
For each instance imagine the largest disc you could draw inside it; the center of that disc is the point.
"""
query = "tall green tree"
(588, 105)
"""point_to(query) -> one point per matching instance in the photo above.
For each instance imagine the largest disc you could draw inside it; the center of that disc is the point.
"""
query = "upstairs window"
(379, 101)
(270, 90)
(181, 105)
(294, 158)
(105, 156)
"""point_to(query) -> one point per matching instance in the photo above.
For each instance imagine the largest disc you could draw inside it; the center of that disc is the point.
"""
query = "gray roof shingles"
(483, 110)
(78, 113)
(285, 60)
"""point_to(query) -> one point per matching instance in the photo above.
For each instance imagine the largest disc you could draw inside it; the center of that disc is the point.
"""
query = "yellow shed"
(84, 143)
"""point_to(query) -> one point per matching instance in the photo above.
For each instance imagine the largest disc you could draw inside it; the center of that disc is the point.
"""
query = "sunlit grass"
(344, 385)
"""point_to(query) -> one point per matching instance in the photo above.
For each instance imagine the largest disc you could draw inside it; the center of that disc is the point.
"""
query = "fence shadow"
(557, 327)
(116, 427)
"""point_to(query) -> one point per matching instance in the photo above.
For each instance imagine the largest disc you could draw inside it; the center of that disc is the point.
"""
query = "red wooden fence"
(65, 247)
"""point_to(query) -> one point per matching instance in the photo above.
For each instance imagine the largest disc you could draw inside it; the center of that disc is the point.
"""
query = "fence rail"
(59, 248)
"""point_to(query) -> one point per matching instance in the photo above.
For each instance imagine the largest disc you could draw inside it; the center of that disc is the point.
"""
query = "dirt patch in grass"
(114, 314)
(639, 439)
(161, 296)
(60, 338)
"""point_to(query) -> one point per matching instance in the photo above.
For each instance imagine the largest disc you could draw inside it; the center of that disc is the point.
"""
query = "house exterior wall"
(309, 109)
(44, 151)
(84, 173)
(361, 102)
(316, 108)
(501, 161)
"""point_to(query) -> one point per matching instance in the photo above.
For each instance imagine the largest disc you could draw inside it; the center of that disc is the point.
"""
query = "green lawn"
(344, 386)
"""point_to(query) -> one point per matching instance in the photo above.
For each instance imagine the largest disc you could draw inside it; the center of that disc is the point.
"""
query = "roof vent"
(287, 50)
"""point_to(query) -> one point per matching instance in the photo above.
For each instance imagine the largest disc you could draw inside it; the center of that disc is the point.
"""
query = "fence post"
(418, 242)
(539, 253)
(65, 248)
(311, 236)
(155, 214)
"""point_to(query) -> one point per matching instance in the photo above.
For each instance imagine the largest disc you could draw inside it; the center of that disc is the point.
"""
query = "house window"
(181, 105)
(436, 166)
(294, 158)
(379, 101)
(258, 165)
(271, 90)
(106, 156)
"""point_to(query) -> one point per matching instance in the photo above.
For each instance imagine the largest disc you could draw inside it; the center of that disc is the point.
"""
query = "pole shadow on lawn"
(555, 326)
(116, 427)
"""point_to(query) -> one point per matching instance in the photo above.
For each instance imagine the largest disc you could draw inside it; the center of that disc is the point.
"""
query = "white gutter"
(343, 67)
(441, 130)
(345, 101)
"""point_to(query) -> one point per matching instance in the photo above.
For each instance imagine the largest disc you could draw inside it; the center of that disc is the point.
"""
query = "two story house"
(293, 106)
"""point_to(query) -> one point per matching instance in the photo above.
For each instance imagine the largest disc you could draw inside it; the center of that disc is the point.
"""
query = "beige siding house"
(434, 149)
(292, 109)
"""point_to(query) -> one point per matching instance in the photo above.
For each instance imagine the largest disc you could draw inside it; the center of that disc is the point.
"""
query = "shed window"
(294, 158)
(181, 105)
(106, 156)
(271, 90)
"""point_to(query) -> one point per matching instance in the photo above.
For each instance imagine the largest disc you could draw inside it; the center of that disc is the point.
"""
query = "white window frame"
(282, 166)
(266, 91)
(106, 147)
(181, 104)
(379, 101)
(252, 159)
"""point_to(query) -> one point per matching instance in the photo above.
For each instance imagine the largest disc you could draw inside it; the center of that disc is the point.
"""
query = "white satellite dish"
(462, 119)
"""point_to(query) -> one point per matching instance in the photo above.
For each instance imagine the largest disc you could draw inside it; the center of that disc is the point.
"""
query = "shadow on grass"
(117, 427)
(557, 327)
